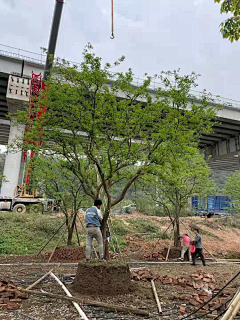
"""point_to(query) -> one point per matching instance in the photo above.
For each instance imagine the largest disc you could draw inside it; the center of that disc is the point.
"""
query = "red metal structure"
(34, 113)
(37, 84)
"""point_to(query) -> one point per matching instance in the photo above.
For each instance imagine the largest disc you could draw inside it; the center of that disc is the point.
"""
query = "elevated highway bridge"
(16, 66)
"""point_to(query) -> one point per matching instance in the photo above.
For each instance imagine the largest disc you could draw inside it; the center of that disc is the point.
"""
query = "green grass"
(231, 221)
(27, 233)
(118, 230)
(227, 221)
(142, 226)
(135, 226)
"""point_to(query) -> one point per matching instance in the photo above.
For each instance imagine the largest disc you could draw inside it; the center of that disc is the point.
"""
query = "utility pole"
(53, 36)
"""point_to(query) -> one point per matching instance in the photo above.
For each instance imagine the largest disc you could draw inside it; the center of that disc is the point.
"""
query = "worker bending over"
(94, 218)
(185, 247)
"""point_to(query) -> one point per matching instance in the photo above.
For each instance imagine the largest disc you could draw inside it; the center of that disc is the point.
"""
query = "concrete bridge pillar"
(12, 167)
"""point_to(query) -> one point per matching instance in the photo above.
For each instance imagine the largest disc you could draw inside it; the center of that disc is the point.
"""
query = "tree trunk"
(177, 231)
(106, 252)
(70, 235)
(71, 229)
(103, 229)
(104, 222)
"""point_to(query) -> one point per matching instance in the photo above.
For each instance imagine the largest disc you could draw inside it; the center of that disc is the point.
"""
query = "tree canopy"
(232, 189)
(109, 130)
(230, 28)
(184, 174)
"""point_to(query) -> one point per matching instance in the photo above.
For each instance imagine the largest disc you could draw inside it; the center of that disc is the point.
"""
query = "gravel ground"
(42, 308)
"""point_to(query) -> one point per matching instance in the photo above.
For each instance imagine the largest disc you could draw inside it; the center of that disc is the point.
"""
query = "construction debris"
(141, 274)
(10, 296)
(201, 285)
(155, 256)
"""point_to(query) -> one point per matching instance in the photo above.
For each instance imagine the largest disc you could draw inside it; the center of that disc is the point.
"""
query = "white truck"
(19, 204)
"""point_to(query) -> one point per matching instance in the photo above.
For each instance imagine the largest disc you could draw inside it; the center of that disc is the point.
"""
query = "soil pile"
(67, 254)
(102, 279)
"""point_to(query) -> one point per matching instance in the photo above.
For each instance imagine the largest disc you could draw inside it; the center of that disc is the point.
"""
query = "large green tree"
(2, 161)
(230, 28)
(184, 174)
(109, 130)
(232, 189)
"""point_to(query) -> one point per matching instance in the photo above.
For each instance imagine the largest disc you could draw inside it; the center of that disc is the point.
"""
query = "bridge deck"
(223, 143)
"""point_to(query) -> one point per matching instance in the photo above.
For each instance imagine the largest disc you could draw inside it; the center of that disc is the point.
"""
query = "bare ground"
(142, 297)
(220, 240)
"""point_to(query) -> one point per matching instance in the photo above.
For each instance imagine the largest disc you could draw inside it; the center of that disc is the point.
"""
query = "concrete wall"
(14, 66)
(227, 147)
(12, 164)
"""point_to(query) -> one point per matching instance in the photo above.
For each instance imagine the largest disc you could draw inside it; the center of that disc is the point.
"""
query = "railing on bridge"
(41, 58)
(198, 94)
(12, 52)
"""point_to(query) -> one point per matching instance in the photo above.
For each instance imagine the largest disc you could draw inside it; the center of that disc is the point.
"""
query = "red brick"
(194, 303)
(182, 283)
(196, 297)
(183, 297)
(167, 281)
(12, 306)
(182, 310)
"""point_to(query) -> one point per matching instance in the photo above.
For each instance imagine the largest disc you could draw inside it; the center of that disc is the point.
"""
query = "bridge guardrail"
(41, 58)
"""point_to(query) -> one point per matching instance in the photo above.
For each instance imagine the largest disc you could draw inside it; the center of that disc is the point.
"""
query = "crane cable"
(112, 36)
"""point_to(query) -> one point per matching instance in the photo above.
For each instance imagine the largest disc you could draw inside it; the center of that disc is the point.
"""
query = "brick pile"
(198, 280)
(201, 284)
(154, 256)
(141, 274)
(10, 296)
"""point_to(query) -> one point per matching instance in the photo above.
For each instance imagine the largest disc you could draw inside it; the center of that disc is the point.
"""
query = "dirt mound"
(102, 279)
(68, 254)
(174, 252)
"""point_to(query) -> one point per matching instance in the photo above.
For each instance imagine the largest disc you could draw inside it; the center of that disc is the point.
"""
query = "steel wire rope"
(214, 296)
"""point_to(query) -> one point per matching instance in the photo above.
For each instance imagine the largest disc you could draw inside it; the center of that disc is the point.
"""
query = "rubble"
(201, 287)
(141, 274)
(10, 296)
(154, 256)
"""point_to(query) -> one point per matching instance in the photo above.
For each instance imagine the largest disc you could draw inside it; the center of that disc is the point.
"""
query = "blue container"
(211, 204)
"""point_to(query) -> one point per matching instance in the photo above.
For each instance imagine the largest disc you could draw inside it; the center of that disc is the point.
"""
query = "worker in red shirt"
(185, 247)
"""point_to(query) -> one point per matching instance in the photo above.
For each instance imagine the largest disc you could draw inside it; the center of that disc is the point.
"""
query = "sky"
(154, 35)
